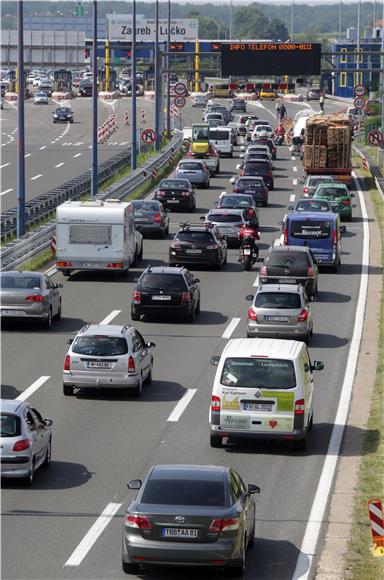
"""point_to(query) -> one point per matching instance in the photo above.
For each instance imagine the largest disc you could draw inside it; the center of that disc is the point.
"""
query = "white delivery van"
(96, 235)
(221, 138)
(263, 389)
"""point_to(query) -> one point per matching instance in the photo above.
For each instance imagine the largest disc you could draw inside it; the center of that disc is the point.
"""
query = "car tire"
(301, 444)
(307, 338)
(265, 204)
(167, 230)
(129, 568)
(216, 441)
(135, 315)
(148, 380)
(47, 460)
(238, 570)
(191, 315)
(197, 310)
(68, 390)
(251, 539)
(58, 315)
(66, 272)
(28, 480)
(138, 390)
(207, 185)
(48, 322)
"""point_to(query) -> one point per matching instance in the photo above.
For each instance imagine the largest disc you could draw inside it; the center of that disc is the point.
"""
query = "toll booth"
(112, 79)
(62, 80)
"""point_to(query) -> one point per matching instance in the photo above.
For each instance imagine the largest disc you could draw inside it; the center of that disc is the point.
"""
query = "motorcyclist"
(249, 233)
(279, 133)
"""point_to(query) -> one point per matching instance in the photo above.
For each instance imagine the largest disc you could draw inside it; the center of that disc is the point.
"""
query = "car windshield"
(10, 425)
(287, 260)
(235, 201)
(225, 218)
(249, 184)
(200, 237)
(173, 184)
(184, 492)
(277, 300)
(187, 165)
(143, 206)
(100, 345)
(262, 373)
(169, 282)
(63, 110)
(24, 282)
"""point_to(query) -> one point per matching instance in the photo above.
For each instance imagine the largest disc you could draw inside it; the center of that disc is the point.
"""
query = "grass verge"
(360, 563)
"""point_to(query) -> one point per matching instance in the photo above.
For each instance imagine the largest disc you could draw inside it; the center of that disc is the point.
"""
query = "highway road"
(54, 153)
(101, 440)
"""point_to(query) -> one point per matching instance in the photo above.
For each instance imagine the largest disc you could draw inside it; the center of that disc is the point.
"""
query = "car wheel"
(191, 315)
(216, 441)
(307, 338)
(58, 315)
(162, 234)
(197, 311)
(251, 540)
(137, 391)
(265, 204)
(301, 444)
(129, 568)
(207, 185)
(48, 322)
(28, 480)
(167, 230)
(238, 570)
(47, 460)
(66, 272)
(135, 315)
(68, 390)
(148, 380)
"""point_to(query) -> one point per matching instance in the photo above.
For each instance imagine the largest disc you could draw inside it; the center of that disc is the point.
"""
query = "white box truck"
(96, 235)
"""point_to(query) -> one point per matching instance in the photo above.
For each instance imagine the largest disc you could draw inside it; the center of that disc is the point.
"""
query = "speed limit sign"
(179, 102)
(359, 103)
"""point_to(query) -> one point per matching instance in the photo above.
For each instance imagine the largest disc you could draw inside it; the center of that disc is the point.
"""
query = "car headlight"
(55, 116)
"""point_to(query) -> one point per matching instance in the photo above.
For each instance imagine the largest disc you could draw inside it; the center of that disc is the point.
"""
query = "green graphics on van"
(278, 424)
(235, 421)
(284, 400)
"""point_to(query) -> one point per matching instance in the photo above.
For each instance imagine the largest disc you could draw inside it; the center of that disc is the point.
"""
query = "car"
(257, 149)
(108, 356)
(312, 181)
(290, 265)
(229, 222)
(40, 98)
(25, 440)
(338, 196)
(45, 86)
(166, 289)
(309, 204)
(252, 185)
(195, 171)
(253, 123)
(239, 201)
(262, 131)
(267, 94)
(198, 244)
(3, 88)
(280, 311)
(189, 515)
(150, 217)
(176, 194)
(313, 94)
(258, 167)
(211, 158)
(255, 155)
(29, 296)
(238, 105)
(214, 120)
(199, 100)
(269, 143)
(85, 88)
(63, 115)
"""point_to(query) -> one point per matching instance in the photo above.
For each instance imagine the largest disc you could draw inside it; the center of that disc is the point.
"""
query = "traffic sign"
(179, 102)
(359, 103)
(359, 90)
(375, 137)
(180, 89)
(148, 136)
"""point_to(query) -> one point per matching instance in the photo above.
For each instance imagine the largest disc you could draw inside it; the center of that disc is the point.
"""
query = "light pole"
(94, 103)
(157, 80)
(133, 86)
(292, 7)
(20, 225)
(357, 75)
(168, 73)
(230, 20)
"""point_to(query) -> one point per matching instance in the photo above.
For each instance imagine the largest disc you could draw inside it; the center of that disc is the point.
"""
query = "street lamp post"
(94, 103)
(168, 73)
(20, 225)
(133, 86)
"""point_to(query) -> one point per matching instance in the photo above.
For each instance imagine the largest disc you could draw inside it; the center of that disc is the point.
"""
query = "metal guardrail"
(31, 245)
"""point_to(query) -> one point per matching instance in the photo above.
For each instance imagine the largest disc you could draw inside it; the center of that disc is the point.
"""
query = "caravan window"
(90, 234)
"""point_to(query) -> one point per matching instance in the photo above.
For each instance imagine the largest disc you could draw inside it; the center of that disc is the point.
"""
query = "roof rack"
(125, 328)
(85, 327)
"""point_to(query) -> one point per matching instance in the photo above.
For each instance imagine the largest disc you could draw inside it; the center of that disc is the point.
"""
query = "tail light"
(35, 298)
(252, 314)
(64, 264)
(160, 193)
(270, 174)
(299, 407)
(303, 315)
(346, 202)
(305, 190)
(140, 522)
(251, 212)
(242, 173)
(136, 297)
(236, 190)
(334, 237)
(131, 365)
(227, 525)
(215, 403)
(157, 218)
(22, 445)
(185, 193)
(263, 272)
(285, 236)
(213, 247)
(310, 272)
(67, 363)
(115, 265)
(185, 298)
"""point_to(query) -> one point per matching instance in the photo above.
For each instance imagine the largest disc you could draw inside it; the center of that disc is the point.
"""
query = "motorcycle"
(279, 139)
(249, 253)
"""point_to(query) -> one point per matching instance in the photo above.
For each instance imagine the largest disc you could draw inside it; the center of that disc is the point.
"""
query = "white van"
(222, 139)
(263, 389)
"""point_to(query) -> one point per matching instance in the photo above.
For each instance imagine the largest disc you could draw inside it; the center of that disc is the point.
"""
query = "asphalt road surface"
(103, 439)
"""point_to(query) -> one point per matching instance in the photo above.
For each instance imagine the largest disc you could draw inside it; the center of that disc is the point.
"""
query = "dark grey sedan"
(29, 295)
(151, 217)
(189, 515)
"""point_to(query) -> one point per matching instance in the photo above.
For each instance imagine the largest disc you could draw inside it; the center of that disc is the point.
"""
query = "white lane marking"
(294, 182)
(4, 165)
(93, 534)
(51, 271)
(36, 385)
(110, 317)
(6, 191)
(182, 405)
(77, 154)
(230, 328)
(43, 147)
(294, 169)
(60, 164)
(320, 501)
(292, 197)
(36, 176)
(27, 155)
(54, 141)
(293, 158)
(256, 282)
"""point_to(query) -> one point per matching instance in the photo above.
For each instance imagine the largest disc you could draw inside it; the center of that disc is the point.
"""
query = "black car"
(198, 244)
(261, 168)
(238, 105)
(176, 194)
(189, 515)
(63, 115)
(269, 143)
(163, 289)
(290, 265)
(150, 217)
(252, 185)
(85, 88)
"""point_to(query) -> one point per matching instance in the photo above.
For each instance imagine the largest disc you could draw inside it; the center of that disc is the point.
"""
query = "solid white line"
(293, 158)
(110, 317)
(292, 197)
(27, 155)
(256, 282)
(92, 535)
(231, 327)
(51, 271)
(77, 154)
(5, 165)
(181, 405)
(59, 164)
(294, 182)
(294, 169)
(28, 392)
(320, 501)
(43, 147)
(37, 176)
(6, 191)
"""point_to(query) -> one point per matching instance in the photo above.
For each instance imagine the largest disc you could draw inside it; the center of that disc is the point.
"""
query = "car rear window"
(184, 492)
(201, 237)
(145, 206)
(225, 217)
(262, 373)
(7, 281)
(216, 135)
(235, 201)
(189, 165)
(314, 182)
(173, 184)
(169, 282)
(100, 345)
(313, 205)
(287, 260)
(331, 192)
(10, 425)
(277, 300)
(310, 230)
(249, 184)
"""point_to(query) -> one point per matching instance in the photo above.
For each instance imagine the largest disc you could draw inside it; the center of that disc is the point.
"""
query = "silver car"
(29, 295)
(108, 356)
(41, 98)
(150, 217)
(280, 311)
(312, 181)
(25, 442)
(195, 171)
(229, 222)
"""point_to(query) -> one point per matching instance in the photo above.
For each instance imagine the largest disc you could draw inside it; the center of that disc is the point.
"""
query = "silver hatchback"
(108, 356)
(280, 311)
(194, 170)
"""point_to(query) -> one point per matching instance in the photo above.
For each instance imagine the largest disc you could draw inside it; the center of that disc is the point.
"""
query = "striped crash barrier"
(53, 244)
(126, 118)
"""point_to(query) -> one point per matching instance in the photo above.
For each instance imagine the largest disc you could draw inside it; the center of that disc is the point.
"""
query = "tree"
(276, 30)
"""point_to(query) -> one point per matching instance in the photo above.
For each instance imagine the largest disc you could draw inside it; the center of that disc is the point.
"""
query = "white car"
(199, 100)
(257, 149)
(262, 131)
(41, 99)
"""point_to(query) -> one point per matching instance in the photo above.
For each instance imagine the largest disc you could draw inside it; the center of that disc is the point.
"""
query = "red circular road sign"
(375, 137)
(359, 90)
(180, 89)
(179, 101)
(359, 103)
(148, 136)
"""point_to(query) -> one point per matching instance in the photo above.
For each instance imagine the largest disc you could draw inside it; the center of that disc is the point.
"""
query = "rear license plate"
(85, 264)
(250, 191)
(287, 281)
(13, 313)
(193, 251)
(247, 252)
(98, 365)
(142, 219)
(228, 230)
(277, 318)
(161, 298)
(179, 533)
(258, 406)
(173, 201)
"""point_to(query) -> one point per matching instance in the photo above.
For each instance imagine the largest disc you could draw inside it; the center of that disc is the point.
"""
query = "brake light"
(215, 403)
(22, 445)
(270, 173)
(334, 237)
(236, 190)
(131, 365)
(242, 173)
(285, 236)
(213, 247)
(35, 298)
(299, 407)
(346, 202)
(185, 193)
(160, 193)
(310, 272)
(185, 298)
(67, 363)
(305, 190)
(63, 264)
(136, 297)
(140, 522)
(303, 315)
(226, 525)
(250, 211)
(251, 314)
(263, 272)
(115, 265)
(157, 218)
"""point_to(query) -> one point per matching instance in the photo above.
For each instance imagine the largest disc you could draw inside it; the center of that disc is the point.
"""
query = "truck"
(200, 139)
(97, 235)
(327, 146)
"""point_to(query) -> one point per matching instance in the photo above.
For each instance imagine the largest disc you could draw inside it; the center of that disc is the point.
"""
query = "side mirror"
(252, 488)
(48, 422)
(134, 484)
(70, 340)
(281, 223)
(232, 180)
(202, 218)
(352, 195)
(318, 365)
(249, 297)
(215, 360)
(242, 148)
(238, 166)
(290, 208)
(150, 344)
(242, 155)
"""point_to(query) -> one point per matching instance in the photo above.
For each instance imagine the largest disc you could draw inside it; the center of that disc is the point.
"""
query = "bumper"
(193, 259)
(89, 382)
(13, 313)
(298, 332)
(15, 466)
(162, 309)
(182, 203)
(146, 228)
(296, 434)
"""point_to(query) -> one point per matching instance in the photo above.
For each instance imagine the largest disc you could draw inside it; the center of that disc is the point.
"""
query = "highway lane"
(102, 440)
(56, 152)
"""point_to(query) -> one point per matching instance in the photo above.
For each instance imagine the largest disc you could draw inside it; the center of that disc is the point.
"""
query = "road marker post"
(376, 520)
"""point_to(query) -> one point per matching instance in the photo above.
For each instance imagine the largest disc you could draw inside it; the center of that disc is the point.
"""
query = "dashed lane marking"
(43, 147)
(231, 327)
(30, 390)
(294, 182)
(77, 154)
(6, 191)
(60, 164)
(110, 317)
(256, 282)
(181, 405)
(292, 197)
(36, 176)
(294, 169)
(4, 165)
